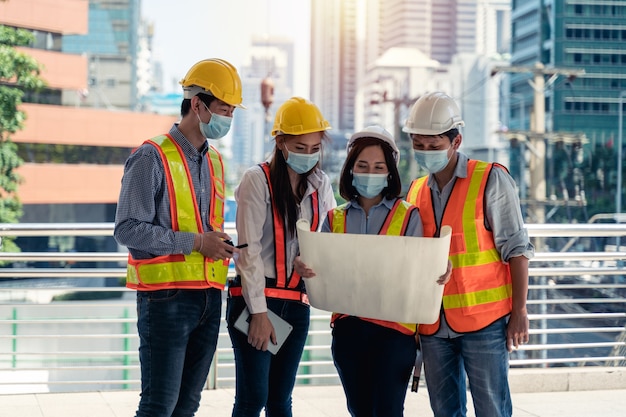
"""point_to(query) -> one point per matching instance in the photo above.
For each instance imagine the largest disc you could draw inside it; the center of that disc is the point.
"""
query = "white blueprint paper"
(376, 276)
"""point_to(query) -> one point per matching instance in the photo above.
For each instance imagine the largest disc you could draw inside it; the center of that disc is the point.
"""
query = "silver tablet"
(281, 327)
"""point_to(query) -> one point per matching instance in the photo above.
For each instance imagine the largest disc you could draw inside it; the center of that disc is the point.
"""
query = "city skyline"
(230, 36)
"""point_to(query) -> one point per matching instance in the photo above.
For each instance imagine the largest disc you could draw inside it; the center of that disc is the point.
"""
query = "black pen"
(245, 245)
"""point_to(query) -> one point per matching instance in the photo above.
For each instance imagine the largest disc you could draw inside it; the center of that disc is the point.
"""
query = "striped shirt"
(142, 221)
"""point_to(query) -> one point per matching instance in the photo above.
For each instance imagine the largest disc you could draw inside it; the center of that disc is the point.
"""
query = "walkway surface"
(308, 401)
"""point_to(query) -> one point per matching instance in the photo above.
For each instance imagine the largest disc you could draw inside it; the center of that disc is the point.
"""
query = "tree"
(18, 73)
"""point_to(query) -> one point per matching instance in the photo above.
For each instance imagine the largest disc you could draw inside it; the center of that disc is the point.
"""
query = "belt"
(281, 293)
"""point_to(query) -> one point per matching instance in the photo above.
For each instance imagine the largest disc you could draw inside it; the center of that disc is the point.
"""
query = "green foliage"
(18, 73)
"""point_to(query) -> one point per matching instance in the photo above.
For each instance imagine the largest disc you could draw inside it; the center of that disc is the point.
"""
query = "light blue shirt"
(358, 222)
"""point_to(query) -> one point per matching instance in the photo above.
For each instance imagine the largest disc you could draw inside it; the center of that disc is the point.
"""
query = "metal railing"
(68, 324)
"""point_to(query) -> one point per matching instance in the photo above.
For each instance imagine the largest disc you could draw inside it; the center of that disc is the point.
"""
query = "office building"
(271, 60)
(586, 38)
(112, 49)
(336, 62)
(73, 155)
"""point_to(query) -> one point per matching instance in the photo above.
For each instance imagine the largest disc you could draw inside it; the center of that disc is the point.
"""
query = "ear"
(280, 142)
(195, 104)
(456, 143)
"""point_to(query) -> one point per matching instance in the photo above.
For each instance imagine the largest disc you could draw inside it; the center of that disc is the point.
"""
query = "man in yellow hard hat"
(170, 216)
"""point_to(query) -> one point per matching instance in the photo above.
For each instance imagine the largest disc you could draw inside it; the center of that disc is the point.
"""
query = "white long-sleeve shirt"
(255, 226)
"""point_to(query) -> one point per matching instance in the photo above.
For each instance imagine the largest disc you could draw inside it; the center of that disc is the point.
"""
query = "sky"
(187, 31)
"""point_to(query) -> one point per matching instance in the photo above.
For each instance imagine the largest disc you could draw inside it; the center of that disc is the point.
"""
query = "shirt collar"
(385, 201)
(185, 145)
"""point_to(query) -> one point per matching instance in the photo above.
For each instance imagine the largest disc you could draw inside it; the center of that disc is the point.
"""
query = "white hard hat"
(433, 114)
(377, 132)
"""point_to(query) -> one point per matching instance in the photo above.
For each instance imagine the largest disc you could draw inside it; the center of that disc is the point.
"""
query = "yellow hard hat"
(216, 77)
(298, 116)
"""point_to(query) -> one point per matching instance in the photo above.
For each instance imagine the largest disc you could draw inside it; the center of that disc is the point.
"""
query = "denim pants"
(374, 364)
(178, 332)
(263, 379)
(483, 357)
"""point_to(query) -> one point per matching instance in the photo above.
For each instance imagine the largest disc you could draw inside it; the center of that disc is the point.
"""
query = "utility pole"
(399, 100)
(537, 145)
(536, 136)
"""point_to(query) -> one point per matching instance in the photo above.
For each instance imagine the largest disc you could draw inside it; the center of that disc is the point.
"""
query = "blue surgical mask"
(302, 162)
(217, 127)
(369, 185)
(432, 161)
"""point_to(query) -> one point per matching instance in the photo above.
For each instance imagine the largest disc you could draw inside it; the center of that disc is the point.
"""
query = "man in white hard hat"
(483, 314)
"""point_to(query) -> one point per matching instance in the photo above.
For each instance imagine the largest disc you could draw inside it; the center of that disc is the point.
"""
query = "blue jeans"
(374, 364)
(483, 357)
(263, 379)
(178, 332)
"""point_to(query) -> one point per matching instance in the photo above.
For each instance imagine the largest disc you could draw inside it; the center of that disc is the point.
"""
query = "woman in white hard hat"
(374, 358)
(271, 197)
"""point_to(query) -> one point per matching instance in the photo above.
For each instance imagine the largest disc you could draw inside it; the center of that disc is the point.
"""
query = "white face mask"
(302, 162)
(217, 127)
(432, 161)
(369, 185)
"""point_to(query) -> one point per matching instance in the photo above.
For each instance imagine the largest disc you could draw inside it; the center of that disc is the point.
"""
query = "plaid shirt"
(143, 222)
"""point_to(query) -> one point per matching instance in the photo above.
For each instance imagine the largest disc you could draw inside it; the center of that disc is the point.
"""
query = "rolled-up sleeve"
(504, 216)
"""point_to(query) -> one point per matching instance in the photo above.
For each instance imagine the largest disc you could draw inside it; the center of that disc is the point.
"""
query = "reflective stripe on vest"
(479, 291)
(395, 225)
(216, 168)
(287, 287)
(192, 271)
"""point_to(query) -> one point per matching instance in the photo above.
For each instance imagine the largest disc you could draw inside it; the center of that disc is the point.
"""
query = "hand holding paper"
(376, 276)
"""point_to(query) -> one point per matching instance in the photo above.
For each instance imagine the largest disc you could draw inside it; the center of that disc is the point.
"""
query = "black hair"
(451, 134)
(394, 186)
(284, 200)
(185, 106)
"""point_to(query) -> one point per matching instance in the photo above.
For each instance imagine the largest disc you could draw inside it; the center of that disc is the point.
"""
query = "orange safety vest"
(286, 287)
(479, 291)
(395, 225)
(192, 271)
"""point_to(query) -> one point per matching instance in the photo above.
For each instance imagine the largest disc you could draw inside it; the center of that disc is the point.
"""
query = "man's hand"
(445, 278)
(213, 245)
(517, 330)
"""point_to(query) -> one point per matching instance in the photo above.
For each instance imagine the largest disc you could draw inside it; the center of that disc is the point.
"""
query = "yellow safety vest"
(192, 271)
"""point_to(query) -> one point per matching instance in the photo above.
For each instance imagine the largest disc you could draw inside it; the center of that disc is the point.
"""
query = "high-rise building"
(581, 111)
(576, 35)
(272, 59)
(112, 49)
(73, 155)
(438, 28)
(336, 64)
(372, 58)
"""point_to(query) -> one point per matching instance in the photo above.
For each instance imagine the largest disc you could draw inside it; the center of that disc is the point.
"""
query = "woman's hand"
(261, 332)
(446, 277)
(302, 269)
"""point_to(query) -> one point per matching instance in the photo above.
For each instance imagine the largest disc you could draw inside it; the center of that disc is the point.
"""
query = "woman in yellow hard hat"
(170, 216)
(271, 197)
